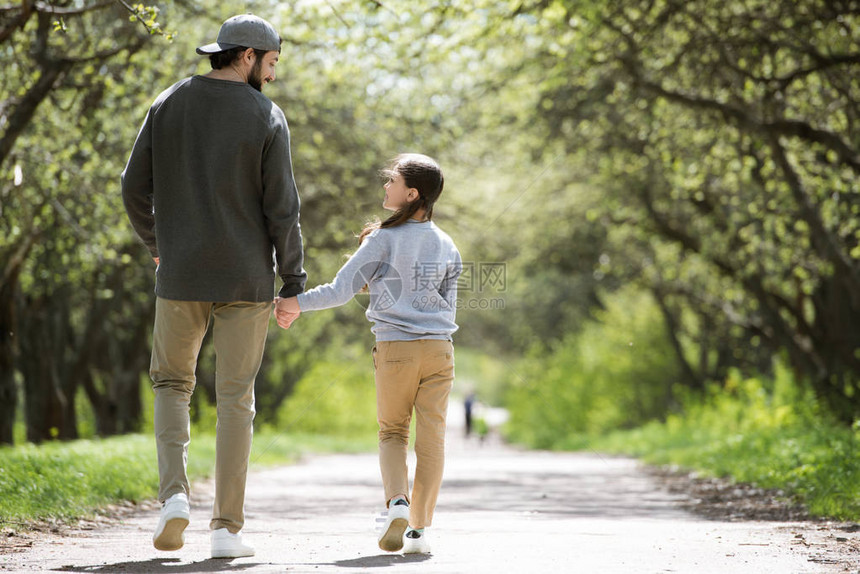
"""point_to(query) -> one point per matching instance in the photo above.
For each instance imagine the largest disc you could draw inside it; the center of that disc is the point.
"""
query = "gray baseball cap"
(244, 30)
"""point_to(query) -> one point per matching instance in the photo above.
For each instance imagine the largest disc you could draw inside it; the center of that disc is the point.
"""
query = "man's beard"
(255, 78)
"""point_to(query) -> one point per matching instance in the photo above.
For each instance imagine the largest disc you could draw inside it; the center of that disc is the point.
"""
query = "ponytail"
(399, 217)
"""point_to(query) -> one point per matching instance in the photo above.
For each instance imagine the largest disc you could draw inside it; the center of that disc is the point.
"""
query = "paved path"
(501, 510)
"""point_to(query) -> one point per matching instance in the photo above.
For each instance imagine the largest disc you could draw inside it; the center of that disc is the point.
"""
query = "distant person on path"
(468, 405)
(410, 267)
(209, 189)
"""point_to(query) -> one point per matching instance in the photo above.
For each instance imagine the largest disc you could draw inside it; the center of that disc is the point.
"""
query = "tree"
(78, 287)
(62, 59)
(725, 136)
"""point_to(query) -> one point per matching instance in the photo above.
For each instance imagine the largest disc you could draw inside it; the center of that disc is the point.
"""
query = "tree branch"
(694, 380)
(19, 255)
(769, 301)
(782, 127)
(136, 14)
(24, 111)
(18, 22)
(792, 128)
(105, 54)
(56, 10)
(824, 63)
(822, 238)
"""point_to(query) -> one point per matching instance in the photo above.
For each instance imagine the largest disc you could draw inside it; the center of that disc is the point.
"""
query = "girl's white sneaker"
(415, 542)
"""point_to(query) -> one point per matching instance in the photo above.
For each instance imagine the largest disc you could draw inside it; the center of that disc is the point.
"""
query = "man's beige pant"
(239, 334)
(413, 374)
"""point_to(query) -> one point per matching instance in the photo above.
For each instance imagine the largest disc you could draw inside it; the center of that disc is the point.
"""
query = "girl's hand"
(286, 311)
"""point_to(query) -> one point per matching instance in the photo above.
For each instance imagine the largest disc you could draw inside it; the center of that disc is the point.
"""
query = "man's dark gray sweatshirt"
(209, 189)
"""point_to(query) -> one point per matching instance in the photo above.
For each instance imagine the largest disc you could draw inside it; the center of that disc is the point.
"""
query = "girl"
(410, 267)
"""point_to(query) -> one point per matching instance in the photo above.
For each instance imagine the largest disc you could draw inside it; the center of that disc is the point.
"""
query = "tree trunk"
(134, 362)
(8, 391)
(8, 331)
(691, 379)
(837, 322)
(44, 401)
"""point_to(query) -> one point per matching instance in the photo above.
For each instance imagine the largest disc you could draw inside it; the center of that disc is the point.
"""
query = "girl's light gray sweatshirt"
(411, 272)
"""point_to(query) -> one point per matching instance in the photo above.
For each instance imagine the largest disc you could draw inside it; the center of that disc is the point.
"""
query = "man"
(209, 189)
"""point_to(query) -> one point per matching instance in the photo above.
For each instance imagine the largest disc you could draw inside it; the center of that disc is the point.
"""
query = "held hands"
(286, 311)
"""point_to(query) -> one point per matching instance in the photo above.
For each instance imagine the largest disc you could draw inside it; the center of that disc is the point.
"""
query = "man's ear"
(248, 55)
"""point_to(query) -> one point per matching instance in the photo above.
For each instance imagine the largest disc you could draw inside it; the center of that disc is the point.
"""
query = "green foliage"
(486, 375)
(701, 150)
(148, 17)
(617, 372)
(482, 429)
(333, 398)
(729, 168)
(772, 433)
(79, 284)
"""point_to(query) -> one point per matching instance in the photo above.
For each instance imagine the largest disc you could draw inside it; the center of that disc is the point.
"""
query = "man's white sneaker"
(225, 544)
(175, 514)
(415, 542)
(391, 538)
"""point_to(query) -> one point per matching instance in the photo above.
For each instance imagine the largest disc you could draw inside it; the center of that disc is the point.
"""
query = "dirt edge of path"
(726, 500)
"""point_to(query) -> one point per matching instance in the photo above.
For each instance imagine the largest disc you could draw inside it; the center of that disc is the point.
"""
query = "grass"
(764, 433)
(819, 467)
(65, 481)
(71, 480)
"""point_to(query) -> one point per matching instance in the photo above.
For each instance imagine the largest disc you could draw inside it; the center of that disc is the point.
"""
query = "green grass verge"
(819, 466)
(71, 480)
(766, 433)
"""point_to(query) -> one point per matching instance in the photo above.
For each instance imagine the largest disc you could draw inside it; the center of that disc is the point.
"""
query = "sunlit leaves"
(684, 110)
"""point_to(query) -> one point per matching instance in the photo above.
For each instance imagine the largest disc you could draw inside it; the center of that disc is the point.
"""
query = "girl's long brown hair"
(418, 171)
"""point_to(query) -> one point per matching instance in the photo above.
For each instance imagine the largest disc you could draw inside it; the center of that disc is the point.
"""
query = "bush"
(618, 372)
(332, 399)
(768, 432)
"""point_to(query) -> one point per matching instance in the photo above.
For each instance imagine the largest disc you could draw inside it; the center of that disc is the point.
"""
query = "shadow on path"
(378, 561)
(550, 489)
(157, 565)
(174, 565)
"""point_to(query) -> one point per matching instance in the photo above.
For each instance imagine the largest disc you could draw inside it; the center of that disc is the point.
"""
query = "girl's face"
(397, 195)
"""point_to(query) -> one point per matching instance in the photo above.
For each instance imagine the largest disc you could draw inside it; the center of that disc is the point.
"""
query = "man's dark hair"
(223, 59)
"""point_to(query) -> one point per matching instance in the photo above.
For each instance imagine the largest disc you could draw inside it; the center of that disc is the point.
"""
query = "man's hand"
(286, 311)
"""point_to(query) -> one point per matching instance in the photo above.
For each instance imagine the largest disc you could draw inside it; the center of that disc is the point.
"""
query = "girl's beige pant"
(239, 336)
(413, 375)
